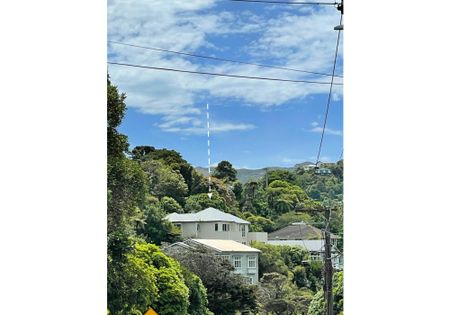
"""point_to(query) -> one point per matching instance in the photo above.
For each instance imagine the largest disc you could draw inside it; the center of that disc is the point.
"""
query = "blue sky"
(254, 123)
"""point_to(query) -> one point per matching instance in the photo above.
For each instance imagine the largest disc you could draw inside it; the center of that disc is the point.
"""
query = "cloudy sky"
(254, 123)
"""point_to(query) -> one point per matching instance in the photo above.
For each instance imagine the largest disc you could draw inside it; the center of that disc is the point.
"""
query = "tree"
(146, 277)
(155, 228)
(259, 224)
(198, 298)
(199, 202)
(278, 295)
(170, 205)
(317, 306)
(117, 143)
(284, 197)
(140, 153)
(225, 171)
(126, 181)
(163, 181)
(280, 174)
(227, 292)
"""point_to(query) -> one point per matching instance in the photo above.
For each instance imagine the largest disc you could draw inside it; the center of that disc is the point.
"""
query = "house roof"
(298, 231)
(310, 245)
(225, 245)
(207, 215)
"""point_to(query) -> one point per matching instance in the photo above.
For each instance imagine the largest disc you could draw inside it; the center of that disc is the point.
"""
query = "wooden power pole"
(328, 268)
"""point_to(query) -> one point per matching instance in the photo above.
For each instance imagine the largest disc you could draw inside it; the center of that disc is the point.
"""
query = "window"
(248, 280)
(178, 225)
(316, 256)
(225, 257)
(237, 261)
(245, 243)
(198, 227)
(251, 261)
(225, 227)
(243, 230)
(216, 227)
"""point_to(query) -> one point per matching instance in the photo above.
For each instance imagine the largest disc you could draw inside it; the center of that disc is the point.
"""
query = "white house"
(309, 237)
(212, 223)
(243, 258)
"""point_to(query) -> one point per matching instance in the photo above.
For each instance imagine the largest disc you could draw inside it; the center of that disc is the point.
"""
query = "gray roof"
(207, 215)
(298, 231)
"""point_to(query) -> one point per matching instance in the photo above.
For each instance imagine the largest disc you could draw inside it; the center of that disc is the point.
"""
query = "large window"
(243, 230)
(251, 261)
(237, 261)
(225, 227)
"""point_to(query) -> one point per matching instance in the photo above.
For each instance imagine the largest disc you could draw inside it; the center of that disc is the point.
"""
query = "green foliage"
(225, 171)
(198, 299)
(170, 205)
(164, 181)
(280, 174)
(259, 224)
(287, 218)
(126, 181)
(227, 292)
(278, 295)
(317, 306)
(199, 202)
(254, 199)
(284, 196)
(117, 143)
(155, 228)
(291, 262)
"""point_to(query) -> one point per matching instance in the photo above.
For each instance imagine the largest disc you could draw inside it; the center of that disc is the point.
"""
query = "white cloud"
(329, 131)
(182, 126)
(292, 40)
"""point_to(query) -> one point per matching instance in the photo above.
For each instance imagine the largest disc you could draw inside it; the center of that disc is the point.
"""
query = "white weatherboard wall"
(207, 230)
(244, 270)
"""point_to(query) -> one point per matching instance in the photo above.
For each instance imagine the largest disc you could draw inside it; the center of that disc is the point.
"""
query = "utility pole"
(328, 268)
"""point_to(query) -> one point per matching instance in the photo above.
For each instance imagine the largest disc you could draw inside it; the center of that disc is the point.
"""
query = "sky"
(254, 123)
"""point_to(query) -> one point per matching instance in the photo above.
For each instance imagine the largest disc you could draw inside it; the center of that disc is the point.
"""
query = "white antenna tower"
(209, 152)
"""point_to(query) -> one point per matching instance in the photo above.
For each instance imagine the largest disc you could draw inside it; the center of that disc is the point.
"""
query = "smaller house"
(309, 237)
(243, 258)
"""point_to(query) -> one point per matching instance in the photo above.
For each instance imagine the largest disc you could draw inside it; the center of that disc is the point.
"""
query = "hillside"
(244, 175)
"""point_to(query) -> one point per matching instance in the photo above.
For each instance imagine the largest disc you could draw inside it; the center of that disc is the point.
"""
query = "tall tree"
(227, 292)
(225, 171)
(127, 182)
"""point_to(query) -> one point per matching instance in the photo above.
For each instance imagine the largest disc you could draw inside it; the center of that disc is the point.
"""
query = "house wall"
(257, 236)
(207, 230)
(244, 270)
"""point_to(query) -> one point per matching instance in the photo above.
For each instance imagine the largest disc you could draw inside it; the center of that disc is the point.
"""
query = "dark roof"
(298, 231)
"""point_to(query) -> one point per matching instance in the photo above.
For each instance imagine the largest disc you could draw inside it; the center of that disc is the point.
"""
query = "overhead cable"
(329, 94)
(220, 74)
(287, 2)
(221, 59)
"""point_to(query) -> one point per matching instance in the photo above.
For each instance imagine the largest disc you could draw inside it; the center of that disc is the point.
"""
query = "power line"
(329, 94)
(287, 2)
(221, 59)
(219, 74)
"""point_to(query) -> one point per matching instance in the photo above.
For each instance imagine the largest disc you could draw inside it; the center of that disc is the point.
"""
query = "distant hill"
(245, 175)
